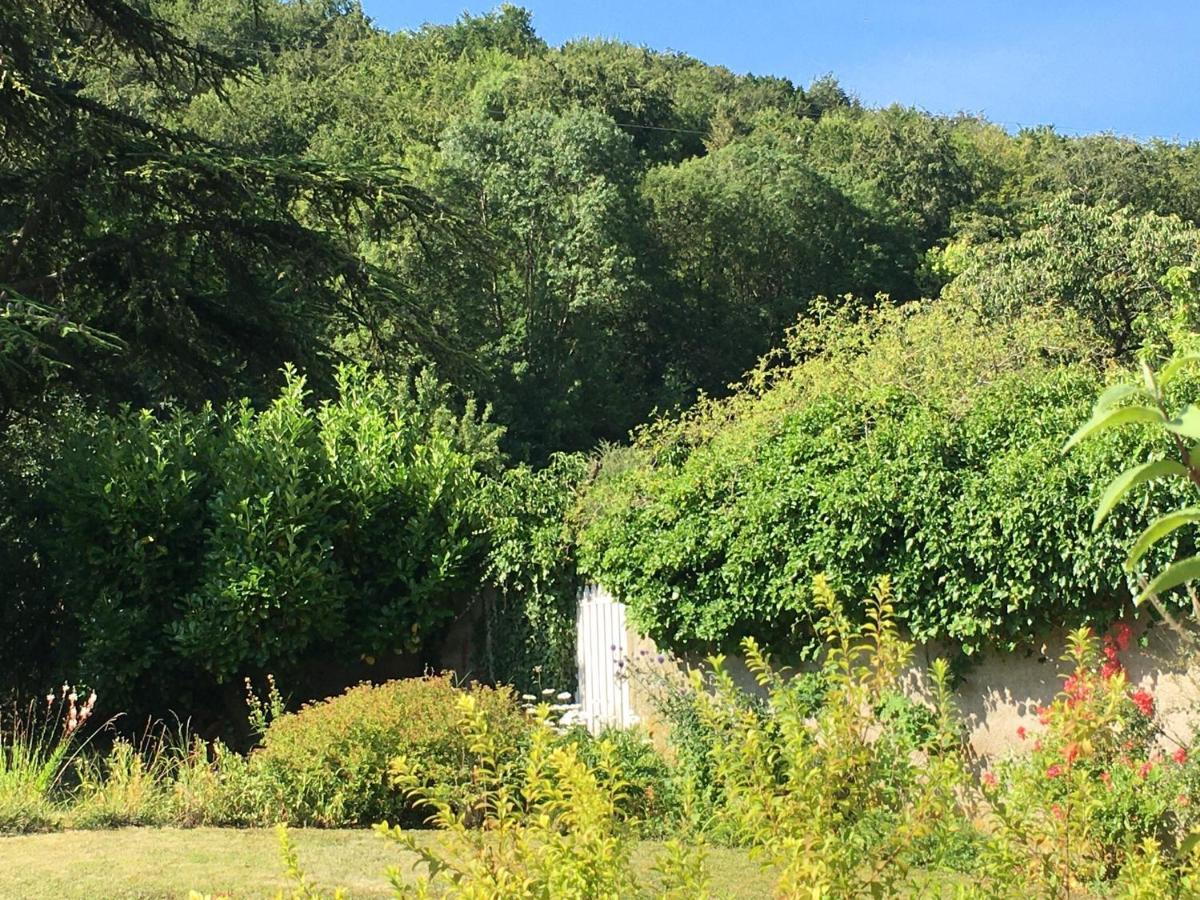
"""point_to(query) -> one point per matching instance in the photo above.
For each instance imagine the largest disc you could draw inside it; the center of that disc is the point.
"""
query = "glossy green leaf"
(1172, 576)
(1131, 478)
(1126, 415)
(1158, 529)
(1175, 366)
(1115, 395)
(1187, 423)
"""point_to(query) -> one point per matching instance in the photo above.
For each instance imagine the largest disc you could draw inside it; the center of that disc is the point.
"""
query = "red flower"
(1076, 689)
(1180, 755)
(1037, 745)
(1071, 753)
(1144, 702)
(1110, 669)
(1122, 633)
(989, 780)
(1145, 769)
(1058, 811)
(1021, 732)
(1106, 778)
(1183, 800)
(1054, 771)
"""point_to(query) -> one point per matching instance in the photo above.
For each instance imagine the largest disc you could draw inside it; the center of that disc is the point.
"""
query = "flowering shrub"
(1097, 789)
(328, 763)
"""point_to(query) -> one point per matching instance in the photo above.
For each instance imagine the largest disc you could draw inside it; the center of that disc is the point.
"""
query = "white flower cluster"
(564, 713)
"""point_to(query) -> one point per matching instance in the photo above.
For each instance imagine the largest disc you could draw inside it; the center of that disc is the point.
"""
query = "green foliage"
(222, 543)
(1101, 262)
(127, 787)
(555, 192)
(37, 749)
(531, 568)
(328, 763)
(206, 265)
(208, 784)
(836, 805)
(750, 234)
(549, 823)
(922, 442)
(1180, 430)
(650, 796)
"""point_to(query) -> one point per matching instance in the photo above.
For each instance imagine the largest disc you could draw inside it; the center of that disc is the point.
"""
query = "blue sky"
(1127, 67)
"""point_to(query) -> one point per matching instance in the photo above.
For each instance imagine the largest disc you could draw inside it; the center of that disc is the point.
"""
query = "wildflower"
(1144, 702)
(988, 779)
(1071, 753)
(661, 658)
(49, 700)
(1058, 812)
(529, 698)
(1054, 771)
(1145, 769)
(1106, 778)
(546, 692)
(1183, 800)
(563, 695)
(1180, 756)
(1021, 732)
(1110, 669)
(1043, 713)
(1037, 746)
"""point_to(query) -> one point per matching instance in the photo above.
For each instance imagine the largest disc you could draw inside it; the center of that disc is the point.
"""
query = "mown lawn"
(168, 862)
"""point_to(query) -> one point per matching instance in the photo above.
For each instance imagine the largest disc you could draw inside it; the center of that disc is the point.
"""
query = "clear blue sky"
(1102, 65)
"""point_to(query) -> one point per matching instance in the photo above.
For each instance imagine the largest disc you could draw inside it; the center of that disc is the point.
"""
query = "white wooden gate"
(601, 643)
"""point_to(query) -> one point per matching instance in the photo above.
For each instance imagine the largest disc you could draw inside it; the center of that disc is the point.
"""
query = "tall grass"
(37, 748)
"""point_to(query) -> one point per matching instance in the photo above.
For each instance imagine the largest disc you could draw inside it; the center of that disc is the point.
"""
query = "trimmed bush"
(329, 762)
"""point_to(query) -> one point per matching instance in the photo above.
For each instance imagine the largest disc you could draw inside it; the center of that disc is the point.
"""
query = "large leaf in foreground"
(1126, 415)
(1131, 478)
(1159, 529)
(1172, 576)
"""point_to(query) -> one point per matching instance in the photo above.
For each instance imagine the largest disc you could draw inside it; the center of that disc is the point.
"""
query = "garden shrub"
(328, 763)
(922, 443)
(650, 790)
(1098, 785)
(550, 824)
(837, 804)
(226, 543)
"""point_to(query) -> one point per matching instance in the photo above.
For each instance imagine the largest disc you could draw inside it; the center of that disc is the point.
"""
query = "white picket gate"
(601, 643)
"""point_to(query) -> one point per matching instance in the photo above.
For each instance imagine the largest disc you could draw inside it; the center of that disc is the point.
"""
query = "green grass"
(168, 862)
